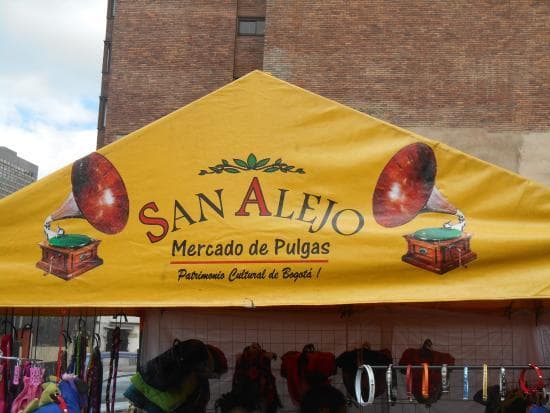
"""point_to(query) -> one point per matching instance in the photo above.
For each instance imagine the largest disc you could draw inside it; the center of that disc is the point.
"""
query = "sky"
(50, 78)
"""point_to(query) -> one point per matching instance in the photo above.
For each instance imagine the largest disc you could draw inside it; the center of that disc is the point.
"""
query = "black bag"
(167, 370)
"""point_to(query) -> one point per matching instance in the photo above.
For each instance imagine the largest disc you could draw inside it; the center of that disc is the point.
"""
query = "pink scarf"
(31, 390)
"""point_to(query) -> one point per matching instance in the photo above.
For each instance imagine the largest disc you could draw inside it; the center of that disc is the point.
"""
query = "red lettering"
(259, 200)
(147, 220)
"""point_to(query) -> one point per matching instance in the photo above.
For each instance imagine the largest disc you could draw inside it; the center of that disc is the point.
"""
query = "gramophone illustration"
(406, 188)
(99, 196)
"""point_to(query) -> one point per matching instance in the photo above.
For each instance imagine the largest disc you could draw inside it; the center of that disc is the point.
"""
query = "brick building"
(474, 74)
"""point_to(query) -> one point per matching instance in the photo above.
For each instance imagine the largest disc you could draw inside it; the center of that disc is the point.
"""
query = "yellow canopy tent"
(264, 194)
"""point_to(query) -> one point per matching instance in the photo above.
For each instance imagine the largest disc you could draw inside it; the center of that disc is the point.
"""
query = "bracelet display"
(409, 381)
(523, 383)
(444, 379)
(372, 387)
(466, 385)
(502, 384)
(392, 391)
(485, 379)
(425, 381)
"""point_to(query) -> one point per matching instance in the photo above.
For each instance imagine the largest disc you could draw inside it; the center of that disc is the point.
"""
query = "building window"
(107, 57)
(251, 26)
(111, 9)
(102, 119)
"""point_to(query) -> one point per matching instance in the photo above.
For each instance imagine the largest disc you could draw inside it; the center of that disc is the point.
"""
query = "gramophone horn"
(98, 195)
(406, 187)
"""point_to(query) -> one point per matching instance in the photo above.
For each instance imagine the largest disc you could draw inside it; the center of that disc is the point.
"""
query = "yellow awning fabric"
(264, 194)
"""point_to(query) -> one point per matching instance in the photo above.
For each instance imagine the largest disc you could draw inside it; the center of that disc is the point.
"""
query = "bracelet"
(484, 391)
(392, 396)
(409, 381)
(425, 381)
(358, 391)
(502, 384)
(523, 384)
(444, 379)
(466, 391)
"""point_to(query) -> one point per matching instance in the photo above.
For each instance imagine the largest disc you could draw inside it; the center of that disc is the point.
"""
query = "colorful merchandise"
(73, 393)
(94, 378)
(188, 393)
(253, 382)
(306, 369)
(349, 361)
(6, 344)
(31, 390)
(426, 355)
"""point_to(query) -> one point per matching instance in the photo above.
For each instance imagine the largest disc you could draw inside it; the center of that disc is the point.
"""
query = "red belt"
(409, 381)
(425, 381)
(523, 384)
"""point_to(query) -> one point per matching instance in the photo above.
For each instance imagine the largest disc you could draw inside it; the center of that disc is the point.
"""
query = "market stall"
(262, 213)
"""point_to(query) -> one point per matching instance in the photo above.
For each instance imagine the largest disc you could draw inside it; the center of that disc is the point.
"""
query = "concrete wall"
(526, 153)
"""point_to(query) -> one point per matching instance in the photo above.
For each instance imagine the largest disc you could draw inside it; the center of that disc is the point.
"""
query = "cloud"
(29, 97)
(49, 147)
(50, 76)
(62, 40)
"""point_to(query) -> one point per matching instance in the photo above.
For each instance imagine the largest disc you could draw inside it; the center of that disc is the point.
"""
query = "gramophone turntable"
(406, 188)
(99, 196)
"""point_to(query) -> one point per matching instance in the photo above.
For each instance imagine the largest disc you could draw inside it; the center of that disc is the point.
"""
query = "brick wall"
(167, 54)
(251, 8)
(470, 64)
(249, 54)
(164, 55)
(249, 50)
(427, 63)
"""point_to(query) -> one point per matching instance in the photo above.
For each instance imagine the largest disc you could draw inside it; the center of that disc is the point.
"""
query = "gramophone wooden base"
(439, 256)
(68, 263)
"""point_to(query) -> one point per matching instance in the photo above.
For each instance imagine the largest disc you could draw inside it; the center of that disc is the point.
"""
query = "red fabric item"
(6, 348)
(301, 373)
(417, 357)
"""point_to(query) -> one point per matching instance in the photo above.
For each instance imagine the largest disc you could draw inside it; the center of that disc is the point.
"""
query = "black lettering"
(217, 209)
(183, 214)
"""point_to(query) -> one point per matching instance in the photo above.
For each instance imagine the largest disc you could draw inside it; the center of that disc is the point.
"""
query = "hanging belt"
(409, 382)
(60, 352)
(523, 383)
(444, 379)
(113, 371)
(484, 388)
(425, 381)
(372, 386)
(502, 384)
(392, 391)
(466, 385)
